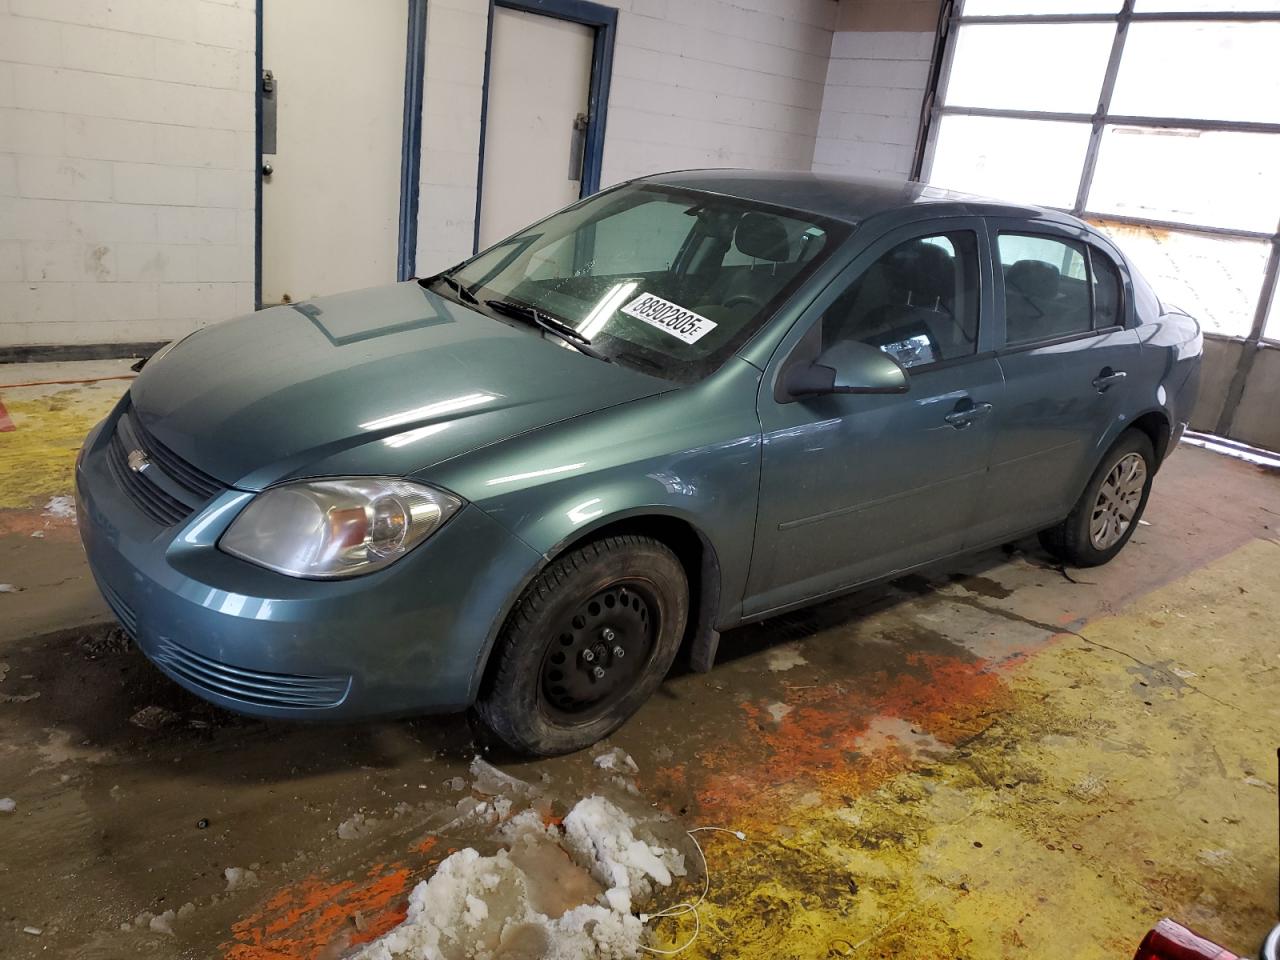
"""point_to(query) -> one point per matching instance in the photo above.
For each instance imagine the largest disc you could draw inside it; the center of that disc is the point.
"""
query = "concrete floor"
(1003, 759)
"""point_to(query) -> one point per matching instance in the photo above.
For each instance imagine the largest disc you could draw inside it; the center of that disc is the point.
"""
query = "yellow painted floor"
(999, 759)
(1055, 806)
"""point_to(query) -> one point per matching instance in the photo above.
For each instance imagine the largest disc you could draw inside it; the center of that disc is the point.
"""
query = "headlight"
(337, 528)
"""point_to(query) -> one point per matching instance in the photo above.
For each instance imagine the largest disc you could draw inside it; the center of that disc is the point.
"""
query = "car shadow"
(94, 688)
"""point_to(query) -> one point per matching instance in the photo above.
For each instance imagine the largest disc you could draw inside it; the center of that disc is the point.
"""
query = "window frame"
(1060, 234)
(803, 343)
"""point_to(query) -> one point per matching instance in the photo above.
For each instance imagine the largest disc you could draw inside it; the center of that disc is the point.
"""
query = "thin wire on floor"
(686, 908)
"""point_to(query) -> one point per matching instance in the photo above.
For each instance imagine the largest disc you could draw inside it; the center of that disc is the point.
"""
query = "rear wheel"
(1108, 511)
(588, 642)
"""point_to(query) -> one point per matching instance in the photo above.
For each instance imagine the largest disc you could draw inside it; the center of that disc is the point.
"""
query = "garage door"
(1157, 119)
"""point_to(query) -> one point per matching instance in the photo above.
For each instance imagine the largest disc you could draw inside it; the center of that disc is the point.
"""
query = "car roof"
(851, 199)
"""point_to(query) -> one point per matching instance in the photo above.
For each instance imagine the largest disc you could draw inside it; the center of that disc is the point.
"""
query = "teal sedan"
(696, 400)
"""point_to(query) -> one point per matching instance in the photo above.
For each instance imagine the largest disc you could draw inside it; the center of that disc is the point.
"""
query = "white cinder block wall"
(696, 83)
(126, 168)
(127, 135)
(876, 78)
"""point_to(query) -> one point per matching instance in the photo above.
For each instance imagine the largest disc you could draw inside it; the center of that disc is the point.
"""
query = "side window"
(1107, 301)
(1046, 288)
(918, 302)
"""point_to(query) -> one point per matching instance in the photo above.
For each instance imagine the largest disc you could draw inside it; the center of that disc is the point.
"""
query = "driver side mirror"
(849, 366)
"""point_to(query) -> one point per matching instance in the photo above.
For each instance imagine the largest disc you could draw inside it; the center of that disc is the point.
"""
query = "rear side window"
(1106, 291)
(918, 302)
(1046, 288)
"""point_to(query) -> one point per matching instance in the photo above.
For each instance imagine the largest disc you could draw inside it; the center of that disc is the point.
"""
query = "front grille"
(169, 489)
(250, 686)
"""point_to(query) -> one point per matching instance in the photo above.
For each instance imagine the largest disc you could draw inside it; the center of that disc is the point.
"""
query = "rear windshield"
(667, 281)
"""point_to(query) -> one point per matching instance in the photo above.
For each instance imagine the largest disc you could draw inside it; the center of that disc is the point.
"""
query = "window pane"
(1203, 71)
(1024, 161)
(1022, 66)
(1210, 177)
(1215, 279)
(918, 302)
(1045, 288)
(1107, 297)
(997, 8)
(1208, 6)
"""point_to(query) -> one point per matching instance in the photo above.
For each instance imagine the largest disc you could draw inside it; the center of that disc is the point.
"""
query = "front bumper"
(406, 639)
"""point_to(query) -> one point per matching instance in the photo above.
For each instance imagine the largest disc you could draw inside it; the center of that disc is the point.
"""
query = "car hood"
(385, 381)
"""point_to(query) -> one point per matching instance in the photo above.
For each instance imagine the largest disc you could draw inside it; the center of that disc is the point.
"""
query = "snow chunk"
(60, 508)
(600, 837)
(785, 657)
(778, 710)
(356, 826)
(481, 908)
(8, 805)
(616, 759)
(8, 588)
(163, 923)
(492, 782)
(239, 877)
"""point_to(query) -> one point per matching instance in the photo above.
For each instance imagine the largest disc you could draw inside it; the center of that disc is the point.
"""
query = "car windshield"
(663, 280)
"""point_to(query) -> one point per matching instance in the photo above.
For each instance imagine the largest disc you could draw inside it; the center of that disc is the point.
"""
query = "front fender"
(691, 455)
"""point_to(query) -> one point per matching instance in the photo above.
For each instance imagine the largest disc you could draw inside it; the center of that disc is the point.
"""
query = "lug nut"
(598, 673)
(608, 635)
(588, 655)
(618, 652)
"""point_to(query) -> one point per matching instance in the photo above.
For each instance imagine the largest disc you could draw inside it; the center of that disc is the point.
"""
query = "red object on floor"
(1173, 941)
(6, 422)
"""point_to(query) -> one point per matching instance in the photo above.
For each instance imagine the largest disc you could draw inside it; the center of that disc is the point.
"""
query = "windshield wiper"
(551, 325)
(464, 294)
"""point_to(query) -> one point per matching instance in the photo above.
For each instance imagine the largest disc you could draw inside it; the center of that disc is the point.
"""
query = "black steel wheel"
(587, 643)
(600, 651)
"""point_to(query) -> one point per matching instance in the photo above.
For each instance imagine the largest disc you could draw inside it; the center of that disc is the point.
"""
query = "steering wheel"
(746, 298)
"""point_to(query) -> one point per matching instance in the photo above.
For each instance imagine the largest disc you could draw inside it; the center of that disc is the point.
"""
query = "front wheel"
(588, 642)
(1107, 513)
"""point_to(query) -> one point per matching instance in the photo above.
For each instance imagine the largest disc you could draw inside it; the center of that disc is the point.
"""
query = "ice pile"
(559, 894)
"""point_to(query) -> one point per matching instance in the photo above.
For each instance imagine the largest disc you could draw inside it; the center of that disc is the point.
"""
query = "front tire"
(588, 642)
(1107, 513)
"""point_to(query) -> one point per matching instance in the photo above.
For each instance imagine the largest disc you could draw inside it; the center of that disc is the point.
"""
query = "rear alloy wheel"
(1108, 511)
(587, 643)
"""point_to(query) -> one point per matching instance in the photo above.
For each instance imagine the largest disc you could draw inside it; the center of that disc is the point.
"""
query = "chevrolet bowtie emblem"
(138, 461)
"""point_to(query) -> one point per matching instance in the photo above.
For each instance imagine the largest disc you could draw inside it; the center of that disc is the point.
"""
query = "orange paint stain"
(425, 845)
(314, 918)
(823, 745)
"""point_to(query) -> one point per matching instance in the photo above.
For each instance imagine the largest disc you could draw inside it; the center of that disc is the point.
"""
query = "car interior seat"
(1041, 304)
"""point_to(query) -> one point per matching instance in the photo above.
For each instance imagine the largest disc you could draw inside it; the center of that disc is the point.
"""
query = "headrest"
(762, 237)
(1034, 278)
(925, 270)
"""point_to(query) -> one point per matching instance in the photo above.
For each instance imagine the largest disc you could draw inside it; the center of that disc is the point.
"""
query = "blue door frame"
(410, 146)
(604, 22)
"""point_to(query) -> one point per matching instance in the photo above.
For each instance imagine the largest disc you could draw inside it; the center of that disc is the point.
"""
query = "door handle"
(1106, 378)
(963, 416)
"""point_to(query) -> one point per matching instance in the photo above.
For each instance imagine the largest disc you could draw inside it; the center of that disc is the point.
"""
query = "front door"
(535, 119)
(1069, 360)
(331, 178)
(856, 487)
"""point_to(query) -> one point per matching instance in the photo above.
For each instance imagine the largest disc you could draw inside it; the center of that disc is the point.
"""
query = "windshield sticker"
(671, 317)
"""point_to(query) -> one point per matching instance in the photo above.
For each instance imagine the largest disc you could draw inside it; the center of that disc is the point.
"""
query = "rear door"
(855, 487)
(1069, 361)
